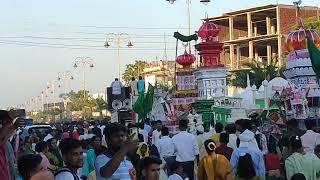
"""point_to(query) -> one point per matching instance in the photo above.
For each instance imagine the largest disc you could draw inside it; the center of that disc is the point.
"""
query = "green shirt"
(307, 164)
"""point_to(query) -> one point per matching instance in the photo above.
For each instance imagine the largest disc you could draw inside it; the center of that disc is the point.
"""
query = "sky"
(40, 38)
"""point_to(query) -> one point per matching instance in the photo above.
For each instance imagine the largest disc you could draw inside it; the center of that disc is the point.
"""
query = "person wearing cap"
(248, 145)
(200, 139)
(51, 134)
(299, 162)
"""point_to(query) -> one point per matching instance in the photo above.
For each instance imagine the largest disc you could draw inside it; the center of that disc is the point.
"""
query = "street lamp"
(42, 101)
(119, 39)
(83, 63)
(51, 90)
(65, 77)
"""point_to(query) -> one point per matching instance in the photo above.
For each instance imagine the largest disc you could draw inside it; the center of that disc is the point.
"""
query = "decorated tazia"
(297, 40)
(208, 30)
(186, 59)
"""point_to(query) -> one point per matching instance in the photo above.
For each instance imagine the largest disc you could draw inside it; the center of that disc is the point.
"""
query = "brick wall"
(288, 18)
(288, 21)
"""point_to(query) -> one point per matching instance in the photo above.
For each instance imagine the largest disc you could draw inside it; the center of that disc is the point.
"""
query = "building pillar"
(256, 54)
(231, 56)
(273, 29)
(279, 38)
(238, 57)
(255, 30)
(249, 23)
(279, 51)
(250, 51)
(274, 55)
(231, 28)
(268, 25)
(269, 54)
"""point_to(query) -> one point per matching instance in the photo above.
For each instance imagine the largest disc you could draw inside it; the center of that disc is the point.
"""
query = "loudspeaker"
(124, 116)
(125, 94)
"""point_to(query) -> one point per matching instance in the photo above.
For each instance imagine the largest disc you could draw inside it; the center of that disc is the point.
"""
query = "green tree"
(312, 23)
(77, 100)
(257, 72)
(133, 70)
(87, 105)
(100, 104)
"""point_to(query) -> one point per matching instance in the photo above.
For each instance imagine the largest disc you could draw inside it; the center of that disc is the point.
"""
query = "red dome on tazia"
(186, 59)
(297, 39)
(208, 30)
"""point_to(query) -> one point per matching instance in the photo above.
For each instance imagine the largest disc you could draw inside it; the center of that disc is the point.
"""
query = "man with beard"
(72, 155)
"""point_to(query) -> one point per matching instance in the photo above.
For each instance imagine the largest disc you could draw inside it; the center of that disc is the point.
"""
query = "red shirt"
(75, 135)
(224, 150)
(4, 166)
(272, 162)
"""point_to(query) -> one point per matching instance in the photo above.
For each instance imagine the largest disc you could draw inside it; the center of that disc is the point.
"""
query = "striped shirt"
(122, 173)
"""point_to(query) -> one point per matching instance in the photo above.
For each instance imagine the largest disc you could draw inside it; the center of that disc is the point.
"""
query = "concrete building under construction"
(257, 33)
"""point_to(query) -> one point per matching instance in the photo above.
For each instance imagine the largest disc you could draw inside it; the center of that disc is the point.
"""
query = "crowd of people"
(149, 151)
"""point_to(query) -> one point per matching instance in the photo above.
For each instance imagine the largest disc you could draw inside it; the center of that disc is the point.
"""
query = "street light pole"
(42, 101)
(205, 2)
(84, 63)
(47, 96)
(65, 77)
(118, 39)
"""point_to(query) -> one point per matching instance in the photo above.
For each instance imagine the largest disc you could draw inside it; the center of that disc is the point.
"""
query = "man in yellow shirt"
(216, 136)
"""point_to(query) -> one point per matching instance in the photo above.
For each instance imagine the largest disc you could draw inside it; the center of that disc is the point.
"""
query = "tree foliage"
(257, 72)
(312, 23)
(86, 104)
(78, 102)
(133, 70)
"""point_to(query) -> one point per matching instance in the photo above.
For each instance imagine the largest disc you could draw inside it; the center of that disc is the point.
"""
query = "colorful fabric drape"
(183, 38)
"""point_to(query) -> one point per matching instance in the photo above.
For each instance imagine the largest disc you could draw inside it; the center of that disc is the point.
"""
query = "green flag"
(314, 53)
(138, 106)
(148, 100)
(183, 38)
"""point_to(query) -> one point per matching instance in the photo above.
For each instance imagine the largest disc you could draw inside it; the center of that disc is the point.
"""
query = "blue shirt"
(147, 128)
(257, 158)
(123, 171)
(141, 86)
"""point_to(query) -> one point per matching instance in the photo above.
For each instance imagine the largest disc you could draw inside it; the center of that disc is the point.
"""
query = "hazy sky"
(39, 38)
